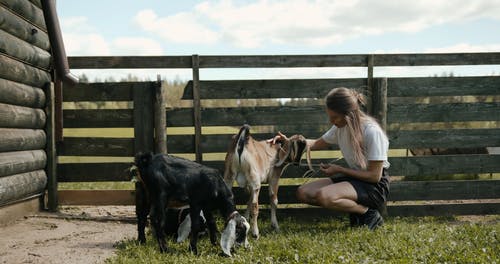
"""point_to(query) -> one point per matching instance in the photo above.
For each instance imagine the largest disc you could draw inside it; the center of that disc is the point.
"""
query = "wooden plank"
(12, 139)
(218, 143)
(12, 116)
(286, 88)
(411, 166)
(288, 115)
(17, 71)
(22, 185)
(143, 119)
(444, 209)
(108, 91)
(379, 101)
(444, 164)
(286, 194)
(160, 120)
(21, 162)
(197, 108)
(443, 86)
(116, 147)
(444, 190)
(452, 138)
(411, 113)
(129, 62)
(118, 197)
(399, 191)
(97, 197)
(50, 148)
(28, 11)
(101, 118)
(316, 213)
(22, 29)
(282, 61)
(20, 94)
(369, 84)
(24, 51)
(435, 59)
(93, 172)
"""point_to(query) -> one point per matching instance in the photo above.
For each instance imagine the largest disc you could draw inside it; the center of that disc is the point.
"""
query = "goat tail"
(143, 160)
(242, 139)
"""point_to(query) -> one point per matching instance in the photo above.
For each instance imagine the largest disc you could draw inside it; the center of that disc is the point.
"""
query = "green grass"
(400, 240)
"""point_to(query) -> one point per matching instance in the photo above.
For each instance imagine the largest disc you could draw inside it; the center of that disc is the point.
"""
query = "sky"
(266, 27)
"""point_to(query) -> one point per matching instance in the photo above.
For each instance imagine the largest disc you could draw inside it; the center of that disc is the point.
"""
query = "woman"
(360, 189)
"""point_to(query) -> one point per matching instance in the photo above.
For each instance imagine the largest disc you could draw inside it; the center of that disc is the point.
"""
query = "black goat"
(173, 180)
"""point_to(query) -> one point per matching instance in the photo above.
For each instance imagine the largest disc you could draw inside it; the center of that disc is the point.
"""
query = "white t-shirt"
(376, 144)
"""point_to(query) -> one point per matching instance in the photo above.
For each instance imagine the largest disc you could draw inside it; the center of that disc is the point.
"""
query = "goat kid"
(253, 162)
(178, 223)
(173, 180)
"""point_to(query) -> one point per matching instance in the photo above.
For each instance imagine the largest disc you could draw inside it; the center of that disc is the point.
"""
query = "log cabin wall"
(25, 85)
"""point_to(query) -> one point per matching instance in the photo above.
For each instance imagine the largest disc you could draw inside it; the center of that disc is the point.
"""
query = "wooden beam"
(269, 89)
(22, 161)
(19, 186)
(21, 117)
(51, 168)
(20, 94)
(160, 121)
(197, 109)
(22, 29)
(379, 101)
(28, 11)
(13, 139)
(24, 51)
(17, 71)
(443, 86)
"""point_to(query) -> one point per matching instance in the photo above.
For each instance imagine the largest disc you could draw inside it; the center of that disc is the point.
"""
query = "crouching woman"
(360, 189)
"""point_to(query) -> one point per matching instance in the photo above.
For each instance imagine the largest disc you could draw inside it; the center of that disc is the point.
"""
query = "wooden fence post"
(369, 85)
(379, 101)
(160, 123)
(197, 108)
(143, 136)
(50, 149)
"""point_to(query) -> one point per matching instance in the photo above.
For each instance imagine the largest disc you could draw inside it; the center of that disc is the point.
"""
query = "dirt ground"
(74, 235)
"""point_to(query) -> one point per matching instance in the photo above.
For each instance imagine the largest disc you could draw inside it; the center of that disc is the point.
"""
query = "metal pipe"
(56, 42)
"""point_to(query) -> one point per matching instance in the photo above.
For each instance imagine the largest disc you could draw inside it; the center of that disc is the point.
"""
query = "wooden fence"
(418, 112)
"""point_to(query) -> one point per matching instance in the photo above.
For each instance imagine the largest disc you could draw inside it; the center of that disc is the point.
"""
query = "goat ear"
(184, 229)
(299, 145)
(228, 237)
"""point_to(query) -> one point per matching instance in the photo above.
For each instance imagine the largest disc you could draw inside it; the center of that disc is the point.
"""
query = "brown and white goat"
(251, 162)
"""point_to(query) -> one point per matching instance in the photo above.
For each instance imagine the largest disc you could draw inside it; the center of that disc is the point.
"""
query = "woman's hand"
(330, 169)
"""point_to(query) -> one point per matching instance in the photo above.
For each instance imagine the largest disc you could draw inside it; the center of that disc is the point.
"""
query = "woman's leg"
(340, 196)
(307, 192)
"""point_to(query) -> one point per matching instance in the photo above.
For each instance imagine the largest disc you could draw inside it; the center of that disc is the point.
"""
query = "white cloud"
(179, 28)
(302, 22)
(136, 46)
(465, 47)
(81, 39)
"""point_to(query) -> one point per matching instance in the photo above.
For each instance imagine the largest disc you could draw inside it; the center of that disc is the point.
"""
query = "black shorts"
(371, 195)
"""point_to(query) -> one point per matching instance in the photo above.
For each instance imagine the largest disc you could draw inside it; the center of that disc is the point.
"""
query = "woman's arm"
(373, 172)
(317, 144)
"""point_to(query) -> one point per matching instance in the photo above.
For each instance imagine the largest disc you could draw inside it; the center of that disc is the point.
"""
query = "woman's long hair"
(349, 102)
